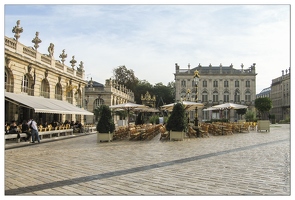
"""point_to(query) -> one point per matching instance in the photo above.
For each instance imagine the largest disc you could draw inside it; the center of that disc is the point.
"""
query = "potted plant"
(105, 126)
(263, 105)
(176, 122)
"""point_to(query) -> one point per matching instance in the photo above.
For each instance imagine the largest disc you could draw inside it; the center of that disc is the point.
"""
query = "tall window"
(204, 96)
(99, 101)
(8, 85)
(45, 88)
(58, 91)
(204, 83)
(247, 83)
(215, 83)
(183, 83)
(237, 96)
(215, 96)
(247, 96)
(70, 96)
(25, 84)
(225, 83)
(237, 84)
(226, 97)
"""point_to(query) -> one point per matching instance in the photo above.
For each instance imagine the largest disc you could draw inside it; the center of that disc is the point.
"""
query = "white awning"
(45, 105)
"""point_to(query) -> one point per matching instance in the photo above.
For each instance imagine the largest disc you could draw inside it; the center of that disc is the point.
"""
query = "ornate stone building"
(109, 94)
(39, 86)
(217, 85)
(280, 96)
(148, 100)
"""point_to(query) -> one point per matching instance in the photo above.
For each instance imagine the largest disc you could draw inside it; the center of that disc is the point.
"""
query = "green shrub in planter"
(105, 123)
(176, 121)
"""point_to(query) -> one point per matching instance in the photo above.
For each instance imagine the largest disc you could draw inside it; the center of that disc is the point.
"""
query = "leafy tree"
(141, 88)
(250, 116)
(241, 111)
(163, 94)
(105, 123)
(122, 114)
(176, 121)
(125, 77)
(263, 105)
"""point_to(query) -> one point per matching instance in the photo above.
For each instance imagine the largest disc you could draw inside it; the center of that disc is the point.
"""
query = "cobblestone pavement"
(240, 164)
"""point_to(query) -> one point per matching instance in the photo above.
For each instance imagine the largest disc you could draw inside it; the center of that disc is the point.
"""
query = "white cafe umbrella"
(227, 106)
(188, 105)
(210, 108)
(128, 107)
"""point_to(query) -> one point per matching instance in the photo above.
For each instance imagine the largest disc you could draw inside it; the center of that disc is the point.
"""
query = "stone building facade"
(109, 94)
(217, 85)
(280, 96)
(31, 73)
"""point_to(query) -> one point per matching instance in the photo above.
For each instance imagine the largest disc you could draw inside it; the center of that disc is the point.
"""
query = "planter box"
(176, 135)
(263, 125)
(104, 137)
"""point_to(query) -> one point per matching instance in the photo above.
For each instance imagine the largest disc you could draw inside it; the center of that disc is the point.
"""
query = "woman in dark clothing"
(25, 129)
(13, 129)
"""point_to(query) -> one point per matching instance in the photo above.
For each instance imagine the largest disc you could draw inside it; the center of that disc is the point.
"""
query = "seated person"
(25, 129)
(13, 129)
(7, 127)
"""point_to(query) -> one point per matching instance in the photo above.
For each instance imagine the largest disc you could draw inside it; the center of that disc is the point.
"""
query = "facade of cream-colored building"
(111, 93)
(280, 96)
(29, 72)
(217, 85)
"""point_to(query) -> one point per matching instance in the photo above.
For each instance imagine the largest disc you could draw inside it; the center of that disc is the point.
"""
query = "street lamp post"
(196, 80)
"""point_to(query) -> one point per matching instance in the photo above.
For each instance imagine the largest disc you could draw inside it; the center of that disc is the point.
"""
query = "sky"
(151, 38)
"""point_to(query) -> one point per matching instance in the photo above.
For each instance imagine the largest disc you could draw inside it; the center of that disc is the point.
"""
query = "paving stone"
(240, 164)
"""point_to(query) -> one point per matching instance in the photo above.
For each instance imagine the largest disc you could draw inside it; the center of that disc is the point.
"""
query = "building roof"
(94, 84)
(265, 90)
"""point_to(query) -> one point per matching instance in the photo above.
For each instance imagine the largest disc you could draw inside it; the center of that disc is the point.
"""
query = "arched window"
(45, 88)
(182, 93)
(237, 96)
(25, 84)
(78, 98)
(204, 96)
(215, 96)
(247, 96)
(58, 91)
(226, 96)
(97, 102)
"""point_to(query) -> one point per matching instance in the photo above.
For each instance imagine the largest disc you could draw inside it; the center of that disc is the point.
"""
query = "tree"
(241, 111)
(164, 94)
(176, 121)
(142, 87)
(125, 77)
(263, 105)
(105, 123)
(250, 116)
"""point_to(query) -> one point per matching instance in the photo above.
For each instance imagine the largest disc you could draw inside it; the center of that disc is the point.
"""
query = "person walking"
(34, 130)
